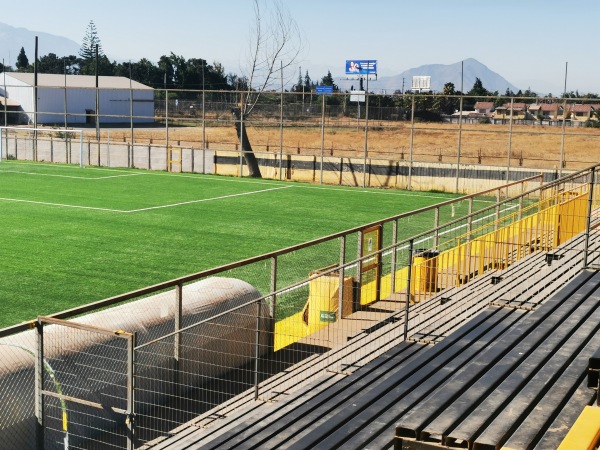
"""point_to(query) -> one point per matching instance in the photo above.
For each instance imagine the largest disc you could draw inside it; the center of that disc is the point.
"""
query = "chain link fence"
(409, 140)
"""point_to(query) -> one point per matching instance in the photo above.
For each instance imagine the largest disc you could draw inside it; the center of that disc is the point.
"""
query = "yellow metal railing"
(540, 226)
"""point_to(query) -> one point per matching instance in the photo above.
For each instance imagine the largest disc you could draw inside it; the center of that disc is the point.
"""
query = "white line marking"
(207, 199)
(61, 205)
(71, 176)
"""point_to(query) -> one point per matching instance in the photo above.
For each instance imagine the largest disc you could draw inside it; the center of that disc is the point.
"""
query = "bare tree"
(274, 45)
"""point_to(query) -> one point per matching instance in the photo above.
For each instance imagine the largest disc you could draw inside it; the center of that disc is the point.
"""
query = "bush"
(591, 124)
(428, 116)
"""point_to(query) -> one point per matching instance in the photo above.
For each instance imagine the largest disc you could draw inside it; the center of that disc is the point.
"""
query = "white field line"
(63, 205)
(71, 176)
(70, 167)
(207, 199)
(209, 177)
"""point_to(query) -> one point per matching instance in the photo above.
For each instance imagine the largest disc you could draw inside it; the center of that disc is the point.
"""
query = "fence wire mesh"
(260, 328)
(414, 141)
(85, 383)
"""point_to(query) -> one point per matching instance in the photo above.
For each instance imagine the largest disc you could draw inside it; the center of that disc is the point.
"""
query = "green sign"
(327, 316)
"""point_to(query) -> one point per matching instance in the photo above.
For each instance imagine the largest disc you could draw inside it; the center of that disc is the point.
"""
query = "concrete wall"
(380, 173)
(442, 177)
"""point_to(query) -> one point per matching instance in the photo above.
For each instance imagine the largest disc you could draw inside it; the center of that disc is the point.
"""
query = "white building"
(74, 97)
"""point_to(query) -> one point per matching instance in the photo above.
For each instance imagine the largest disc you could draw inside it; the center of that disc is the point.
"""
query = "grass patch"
(72, 236)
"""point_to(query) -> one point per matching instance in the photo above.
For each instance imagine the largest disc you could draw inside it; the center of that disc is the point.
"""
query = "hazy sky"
(528, 42)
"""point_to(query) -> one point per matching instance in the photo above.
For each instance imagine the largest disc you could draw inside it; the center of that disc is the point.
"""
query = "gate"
(83, 386)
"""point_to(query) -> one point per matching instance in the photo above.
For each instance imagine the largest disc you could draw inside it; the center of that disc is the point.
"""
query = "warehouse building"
(72, 99)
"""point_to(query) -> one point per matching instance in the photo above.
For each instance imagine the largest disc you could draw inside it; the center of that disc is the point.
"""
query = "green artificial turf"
(71, 236)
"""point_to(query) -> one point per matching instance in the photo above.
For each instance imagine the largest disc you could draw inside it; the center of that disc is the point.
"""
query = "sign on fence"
(324, 90)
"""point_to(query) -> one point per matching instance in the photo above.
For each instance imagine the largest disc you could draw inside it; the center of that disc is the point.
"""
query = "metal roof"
(75, 81)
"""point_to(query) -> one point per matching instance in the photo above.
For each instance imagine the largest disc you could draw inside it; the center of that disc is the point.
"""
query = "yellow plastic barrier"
(585, 432)
(550, 222)
(323, 299)
(321, 309)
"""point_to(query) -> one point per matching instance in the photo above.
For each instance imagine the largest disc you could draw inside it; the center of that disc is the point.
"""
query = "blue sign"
(361, 67)
(324, 90)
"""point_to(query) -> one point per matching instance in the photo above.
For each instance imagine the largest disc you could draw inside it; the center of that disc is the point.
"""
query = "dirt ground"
(534, 146)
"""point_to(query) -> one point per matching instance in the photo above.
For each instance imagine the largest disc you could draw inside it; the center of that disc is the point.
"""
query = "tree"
(5, 68)
(299, 86)
(327, 80)
(478, 90)
(90, 40)
(446, 103)
(88, 54)
(308, 84)
(22, 61)
(274, 46)
(51, 63)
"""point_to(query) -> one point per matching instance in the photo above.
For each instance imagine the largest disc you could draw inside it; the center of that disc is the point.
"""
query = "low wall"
(419, 176)
(379, 173)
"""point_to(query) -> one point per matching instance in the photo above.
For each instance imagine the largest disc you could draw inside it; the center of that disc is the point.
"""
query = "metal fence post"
(256, 349)
(273, 305)
(130, 421)
(412, 136)
(408, 286)
(39, 385)
(510, 135)
(586, 242)
(359, 267)
(436, 225)
(470, 219)
(178, 316)
(322, 136)
(341, 288)
(394, 254)
(177, 335)
(520, 214)
(497, 209)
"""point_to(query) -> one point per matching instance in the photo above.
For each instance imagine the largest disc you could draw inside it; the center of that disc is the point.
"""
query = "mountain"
(440, 74)
(14, 38)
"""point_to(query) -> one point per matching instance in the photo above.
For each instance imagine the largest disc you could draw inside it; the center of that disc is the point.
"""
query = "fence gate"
(84, 386)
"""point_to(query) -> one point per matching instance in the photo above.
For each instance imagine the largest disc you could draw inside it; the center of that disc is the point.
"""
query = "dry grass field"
(534, 146)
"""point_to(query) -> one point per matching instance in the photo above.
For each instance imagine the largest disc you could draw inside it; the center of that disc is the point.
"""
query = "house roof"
(75, 81)
(550, 106)
(484, 105)
(582, 108)
(535, 107)
(515, 106)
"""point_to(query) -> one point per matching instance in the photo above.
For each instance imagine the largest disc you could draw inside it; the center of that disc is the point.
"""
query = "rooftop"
(75, 81)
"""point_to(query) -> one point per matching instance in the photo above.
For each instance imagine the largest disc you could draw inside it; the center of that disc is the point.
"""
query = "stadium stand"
(513, 366)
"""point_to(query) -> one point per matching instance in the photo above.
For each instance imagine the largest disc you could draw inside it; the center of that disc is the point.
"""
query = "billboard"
(361, 67)
(357, 96)
(421, 83)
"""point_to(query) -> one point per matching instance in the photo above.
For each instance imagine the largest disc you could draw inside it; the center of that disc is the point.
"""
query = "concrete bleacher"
(508, 367)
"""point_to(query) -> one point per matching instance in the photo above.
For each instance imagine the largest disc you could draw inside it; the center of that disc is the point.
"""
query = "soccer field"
(71, 236)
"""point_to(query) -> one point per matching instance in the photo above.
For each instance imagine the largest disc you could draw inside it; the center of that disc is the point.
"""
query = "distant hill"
(14, 38)
(440, 74)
